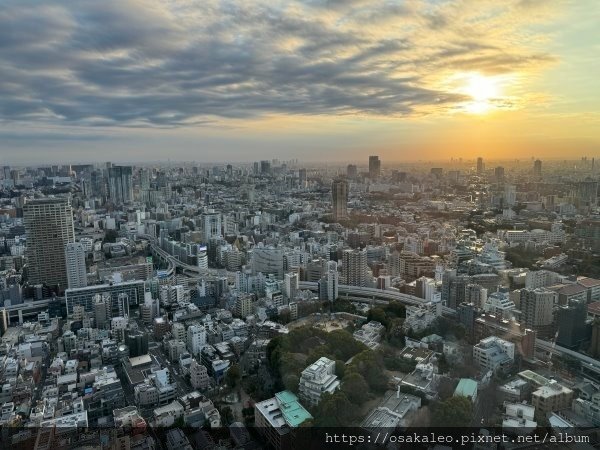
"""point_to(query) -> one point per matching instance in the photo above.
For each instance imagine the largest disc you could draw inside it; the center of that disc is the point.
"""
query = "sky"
(314, 80)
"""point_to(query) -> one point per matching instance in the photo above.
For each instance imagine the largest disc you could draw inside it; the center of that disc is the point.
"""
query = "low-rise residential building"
(519, 418)
(551, 397)
(370, 334)
(277, 416)
(317, 379)
(395, 411)
(494, 354)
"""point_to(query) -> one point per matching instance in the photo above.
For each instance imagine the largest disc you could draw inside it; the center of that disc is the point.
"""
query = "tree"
(343, 345)
(370, 365)
(317, 352)
(334, 410)
(290, 382)
(356, 388)
(395, 309)
(233, 376)
(284, 316)
(340, 368)
(227, 415)
(453, 412)
(378, 315)
(395, 333)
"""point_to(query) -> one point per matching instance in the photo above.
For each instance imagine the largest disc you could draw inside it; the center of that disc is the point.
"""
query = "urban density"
(299, 224)
(268, 297)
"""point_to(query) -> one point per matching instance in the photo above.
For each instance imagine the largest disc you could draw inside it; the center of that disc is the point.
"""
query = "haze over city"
(321, 80)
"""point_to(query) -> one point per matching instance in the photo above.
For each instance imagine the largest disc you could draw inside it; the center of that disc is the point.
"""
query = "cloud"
(155, 63)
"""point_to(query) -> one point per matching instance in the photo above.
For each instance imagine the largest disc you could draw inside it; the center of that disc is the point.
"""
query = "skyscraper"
(499, 174)
(212, 225)
(586, 193)
(537, 307)
(329, 283)
(75, 260)
(339, 197)
(302, 177)
(290, 286)
(354, 267)
(351, 171)
(374, 167)
(537, 168)
(120, 186)
(479, 165)
(510, 195)
(49, 228)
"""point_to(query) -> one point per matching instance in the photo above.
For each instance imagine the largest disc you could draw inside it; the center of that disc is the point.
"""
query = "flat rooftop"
(293, 412)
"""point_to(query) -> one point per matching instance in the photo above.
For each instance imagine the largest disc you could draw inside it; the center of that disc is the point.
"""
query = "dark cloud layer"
(133, 63)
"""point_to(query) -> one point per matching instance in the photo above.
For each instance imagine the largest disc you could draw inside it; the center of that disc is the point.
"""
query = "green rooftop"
(291, 409)
(466, 388)
(534, 378)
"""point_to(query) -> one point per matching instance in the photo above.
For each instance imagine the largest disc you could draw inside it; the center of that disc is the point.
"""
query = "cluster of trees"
(442, 326)
(521, 257)
(453, 412)
(391, 316)
(290, 354)
(364, 374)
(362, 377)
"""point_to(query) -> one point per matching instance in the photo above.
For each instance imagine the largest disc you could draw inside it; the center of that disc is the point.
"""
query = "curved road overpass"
(380, 296)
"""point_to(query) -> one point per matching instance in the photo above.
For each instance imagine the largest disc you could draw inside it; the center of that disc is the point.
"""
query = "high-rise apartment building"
(290, 285)
(499, 174)
(339, 195)
(211, 222)
(351, 171)
(302, 177)
(537, 307)
(244, 306)
(75, 260)
(354, 267)
(374, 167)
(329, 283)
(586, 193)
(49, 228)
(510, 195)
(537, 168)
(480, 166)
(120, 184)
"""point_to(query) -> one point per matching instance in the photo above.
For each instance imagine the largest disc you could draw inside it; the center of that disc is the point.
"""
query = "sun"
(483, 91)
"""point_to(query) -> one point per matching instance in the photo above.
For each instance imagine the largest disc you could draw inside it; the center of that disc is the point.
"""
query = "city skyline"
(318, 80)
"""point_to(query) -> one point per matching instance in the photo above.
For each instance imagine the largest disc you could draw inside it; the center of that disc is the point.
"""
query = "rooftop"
(293, 412)
(588, 282)
(140, 360)
(533, 377)
(466, 388)
(594, 308)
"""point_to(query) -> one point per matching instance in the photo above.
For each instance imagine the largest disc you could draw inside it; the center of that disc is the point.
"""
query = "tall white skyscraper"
(290, 285)
(329, 284)
(75, 260)
(49, 228)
